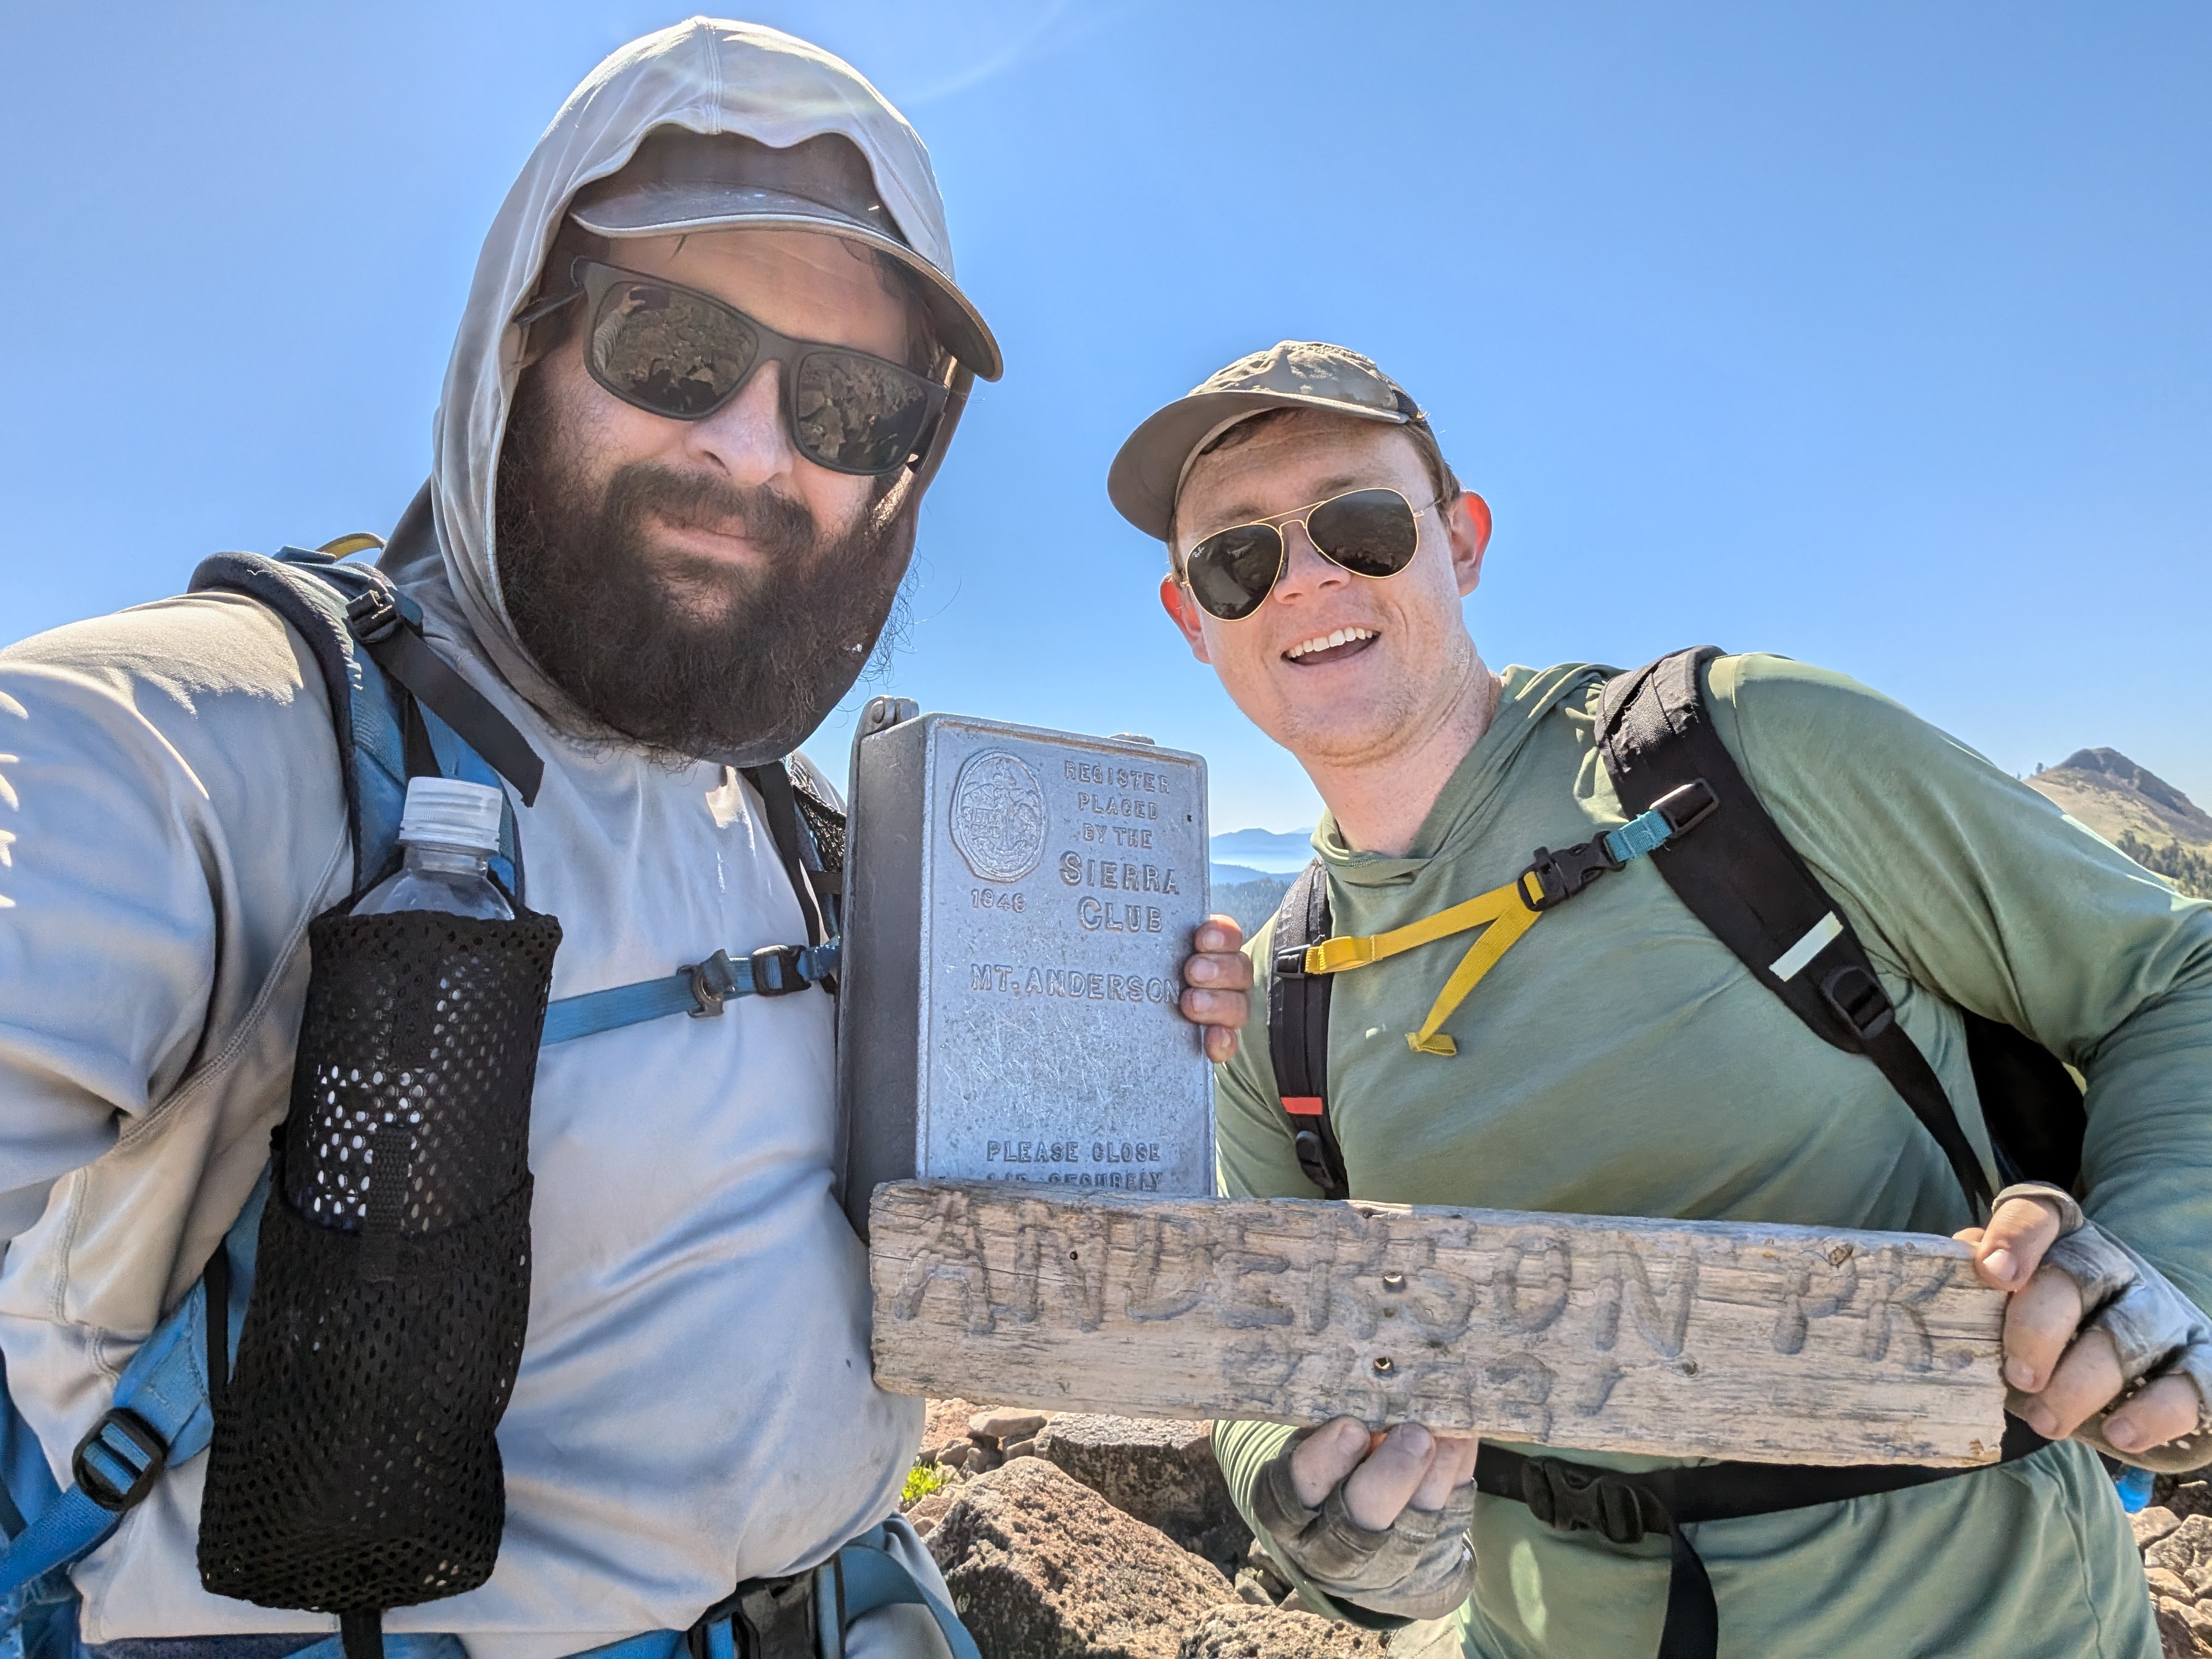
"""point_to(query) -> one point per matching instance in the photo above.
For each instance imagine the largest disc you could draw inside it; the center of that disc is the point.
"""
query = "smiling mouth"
(720, 538)
(1332, 646)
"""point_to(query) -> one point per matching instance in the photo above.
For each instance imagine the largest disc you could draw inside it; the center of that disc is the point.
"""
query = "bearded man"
(712, 356)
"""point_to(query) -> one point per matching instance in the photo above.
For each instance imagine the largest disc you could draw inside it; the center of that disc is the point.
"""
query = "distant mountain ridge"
(2138, 811)
(1274, 852)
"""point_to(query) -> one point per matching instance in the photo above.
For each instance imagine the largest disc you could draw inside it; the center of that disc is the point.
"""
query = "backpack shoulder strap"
(160, 1416)
(1741, 878)
(368, 728)
(398, 709)
(1297, 1031)
(792, 826)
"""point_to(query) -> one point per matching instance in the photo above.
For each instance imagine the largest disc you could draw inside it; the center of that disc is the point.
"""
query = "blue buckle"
(140, 1454)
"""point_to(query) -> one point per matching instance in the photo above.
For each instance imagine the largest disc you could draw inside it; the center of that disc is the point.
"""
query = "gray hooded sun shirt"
(694, 1404)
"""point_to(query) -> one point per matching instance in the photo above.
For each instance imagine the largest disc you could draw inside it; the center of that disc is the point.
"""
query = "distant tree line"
(1251, 903)
(2187, 869)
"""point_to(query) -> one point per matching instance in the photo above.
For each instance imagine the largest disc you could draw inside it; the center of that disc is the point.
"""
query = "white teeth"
(1329, 642)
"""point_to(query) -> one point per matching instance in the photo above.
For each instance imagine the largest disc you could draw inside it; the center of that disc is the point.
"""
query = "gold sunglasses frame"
(1280, 522)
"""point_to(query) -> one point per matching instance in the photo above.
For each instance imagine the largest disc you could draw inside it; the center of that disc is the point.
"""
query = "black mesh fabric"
(824, 821)
(354, 1465)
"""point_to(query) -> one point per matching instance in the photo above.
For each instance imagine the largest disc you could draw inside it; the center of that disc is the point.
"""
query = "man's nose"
(745, 438)
(1306, 575)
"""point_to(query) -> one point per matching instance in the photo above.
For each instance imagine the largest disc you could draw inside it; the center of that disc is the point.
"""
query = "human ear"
(1176, 601)
(1467, 523)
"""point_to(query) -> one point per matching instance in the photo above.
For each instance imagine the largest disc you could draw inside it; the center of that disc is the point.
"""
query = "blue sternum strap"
(699, 989)
(1640, 835)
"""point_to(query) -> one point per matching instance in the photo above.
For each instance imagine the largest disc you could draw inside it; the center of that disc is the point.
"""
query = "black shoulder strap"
(794, 840)
(1298, 1031)
(1741, 878)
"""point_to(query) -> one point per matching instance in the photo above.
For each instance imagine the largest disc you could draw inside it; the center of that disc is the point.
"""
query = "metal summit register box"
(1018, 906)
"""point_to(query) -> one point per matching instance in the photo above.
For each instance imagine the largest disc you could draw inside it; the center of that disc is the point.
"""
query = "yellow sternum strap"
(1508, 916)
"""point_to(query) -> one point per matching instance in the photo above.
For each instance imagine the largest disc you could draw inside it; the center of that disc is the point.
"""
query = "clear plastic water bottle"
(449, 830)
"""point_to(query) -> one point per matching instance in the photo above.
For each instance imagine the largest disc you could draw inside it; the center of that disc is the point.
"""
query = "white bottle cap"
(452, 813)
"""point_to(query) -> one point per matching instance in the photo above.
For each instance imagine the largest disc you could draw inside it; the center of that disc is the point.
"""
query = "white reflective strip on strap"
(1791, 962)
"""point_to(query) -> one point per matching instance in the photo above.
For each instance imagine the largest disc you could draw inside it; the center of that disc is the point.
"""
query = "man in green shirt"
(1620, 1060)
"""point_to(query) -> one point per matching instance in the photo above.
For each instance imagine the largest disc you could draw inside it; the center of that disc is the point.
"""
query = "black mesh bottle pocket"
(353, 1466)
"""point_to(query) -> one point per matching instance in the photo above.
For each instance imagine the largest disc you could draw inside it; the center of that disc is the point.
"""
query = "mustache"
(776, 523)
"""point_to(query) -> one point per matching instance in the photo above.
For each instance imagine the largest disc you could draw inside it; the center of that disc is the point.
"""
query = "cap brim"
(1148, 471)
(673, 209)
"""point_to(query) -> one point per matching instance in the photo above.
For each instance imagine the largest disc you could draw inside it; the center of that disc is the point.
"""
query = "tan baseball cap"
(1148, 472)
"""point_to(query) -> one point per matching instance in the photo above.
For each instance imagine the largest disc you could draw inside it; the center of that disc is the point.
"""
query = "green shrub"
(922, 1479)
(2190, 871)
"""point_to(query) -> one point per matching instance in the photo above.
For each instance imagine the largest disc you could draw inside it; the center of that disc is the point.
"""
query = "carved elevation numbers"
(1685, 1338)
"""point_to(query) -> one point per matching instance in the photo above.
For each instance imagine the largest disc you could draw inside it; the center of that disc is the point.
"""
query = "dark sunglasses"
(673, 351)
(1370, 532)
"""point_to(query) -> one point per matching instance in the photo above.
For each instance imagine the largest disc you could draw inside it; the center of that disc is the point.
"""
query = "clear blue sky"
(1879, 335)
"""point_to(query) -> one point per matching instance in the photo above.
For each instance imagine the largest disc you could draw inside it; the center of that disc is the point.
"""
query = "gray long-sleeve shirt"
(695, 1403)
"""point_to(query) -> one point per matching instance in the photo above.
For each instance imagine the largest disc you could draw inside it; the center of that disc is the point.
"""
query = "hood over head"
(706, 76)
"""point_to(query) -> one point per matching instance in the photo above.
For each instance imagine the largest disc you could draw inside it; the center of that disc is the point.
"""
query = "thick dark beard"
(688, 660)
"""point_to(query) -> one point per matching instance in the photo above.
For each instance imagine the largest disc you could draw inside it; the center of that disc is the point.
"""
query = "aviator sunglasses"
(673, 351)
(1370, 532)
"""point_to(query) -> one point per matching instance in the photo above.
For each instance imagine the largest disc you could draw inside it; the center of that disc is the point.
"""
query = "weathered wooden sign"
(1683, 1339)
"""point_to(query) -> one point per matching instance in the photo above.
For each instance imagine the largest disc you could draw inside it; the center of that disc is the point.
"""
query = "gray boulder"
(1160, 1470)
(1041, 1567)
(1249, 1633)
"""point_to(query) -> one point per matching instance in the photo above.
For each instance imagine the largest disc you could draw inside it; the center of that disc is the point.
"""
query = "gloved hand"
(1415, 1561)
(2099, 1344)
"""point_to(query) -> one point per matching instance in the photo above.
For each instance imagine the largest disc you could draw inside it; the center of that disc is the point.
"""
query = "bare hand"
(1220, 981)
(1408, 1465)
(2069, 1374)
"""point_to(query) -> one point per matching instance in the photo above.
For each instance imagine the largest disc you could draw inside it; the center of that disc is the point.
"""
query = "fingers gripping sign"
(2096, 1342)
(1218, 985)
(1378, 1519)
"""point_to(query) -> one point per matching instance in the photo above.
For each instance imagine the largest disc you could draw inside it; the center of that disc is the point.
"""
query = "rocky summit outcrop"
(1039, 1565)
(1161, 1471)
(1248, 1632)
(2175, 1535)
(1053, 1542)
(2138, 811)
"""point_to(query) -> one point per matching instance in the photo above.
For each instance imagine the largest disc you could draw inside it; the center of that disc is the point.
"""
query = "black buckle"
(373, 616)
(778, 970)
(1311, 1158)
(1571, 1498)
(1560, 876)
(138, 1436)
(713, 981)
(1857, 995)
(769, 1618)
(1687, 807)
(775, 1619)
(1291, 964)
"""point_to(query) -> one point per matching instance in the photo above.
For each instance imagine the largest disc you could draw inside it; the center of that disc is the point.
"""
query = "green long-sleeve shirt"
(1619, 1060)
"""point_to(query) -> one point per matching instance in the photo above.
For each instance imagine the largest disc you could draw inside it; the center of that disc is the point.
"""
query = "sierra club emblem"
(999, 815)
